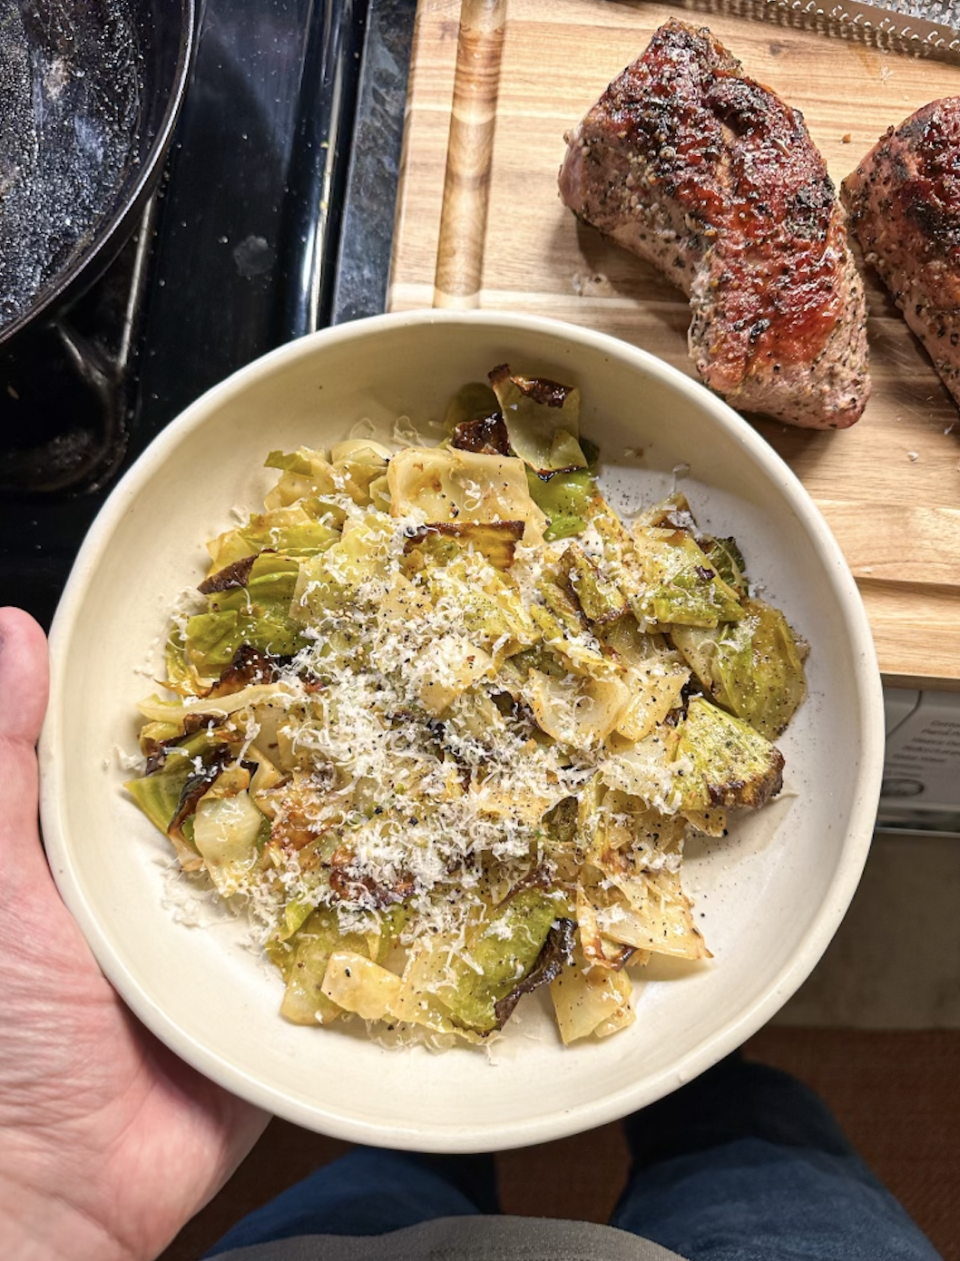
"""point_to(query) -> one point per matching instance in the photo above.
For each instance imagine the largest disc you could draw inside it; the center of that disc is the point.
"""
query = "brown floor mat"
(897, 1095)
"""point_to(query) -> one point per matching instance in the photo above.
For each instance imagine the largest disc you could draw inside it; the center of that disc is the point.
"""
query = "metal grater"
(926, 28)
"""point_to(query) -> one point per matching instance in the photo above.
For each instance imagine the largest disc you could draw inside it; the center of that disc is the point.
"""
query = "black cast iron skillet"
(89, 95)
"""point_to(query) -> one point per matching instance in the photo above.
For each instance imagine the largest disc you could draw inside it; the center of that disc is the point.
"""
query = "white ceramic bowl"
(768, 899)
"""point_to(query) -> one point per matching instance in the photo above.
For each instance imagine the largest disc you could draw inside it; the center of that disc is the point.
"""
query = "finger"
(24, 678)
(23, 701)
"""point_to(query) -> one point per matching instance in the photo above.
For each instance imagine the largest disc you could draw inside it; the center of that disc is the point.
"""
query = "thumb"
(24, 682)
(23, 677)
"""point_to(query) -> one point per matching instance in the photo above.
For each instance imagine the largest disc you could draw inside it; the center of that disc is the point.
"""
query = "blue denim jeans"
(743, 1164)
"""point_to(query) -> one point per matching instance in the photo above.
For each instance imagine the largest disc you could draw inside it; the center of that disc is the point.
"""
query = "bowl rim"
(721, 1040)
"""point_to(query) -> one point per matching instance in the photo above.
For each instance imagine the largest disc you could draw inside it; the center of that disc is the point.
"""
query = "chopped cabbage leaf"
(725, 557)
(446, 669)
(591, 1001)
(500, 950)
(729, 763)
(357, 463)
(327, 584)
(565, 497)
(601, 600)
(357, 984)
(655, 691)
(652, 914)
(157, 710)
(752, 667)
(292, 531)
(576, 712)
(648, 770)
(256, 613)
(677, 584)
(446, 484)
(303, 960)
(306, 474)
(188, 763)
(496, 540)
(542, 419)
(228, 831)
(491, 610)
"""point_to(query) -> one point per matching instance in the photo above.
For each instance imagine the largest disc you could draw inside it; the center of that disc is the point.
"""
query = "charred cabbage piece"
(255, 613)
(474, 423)
(601, 600)
(543, 420)
(729, 763)
(185, 769)
(496, 540)
(677, 583)
(249, 666)
(557, 953)
(753, 667)
(292, 531)
(197, 793)
(628, 894)
(724, 556)
(446, 484)
(647, 911)
(503, 949)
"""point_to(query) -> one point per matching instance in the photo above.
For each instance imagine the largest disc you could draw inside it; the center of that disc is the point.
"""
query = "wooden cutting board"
(495, 83)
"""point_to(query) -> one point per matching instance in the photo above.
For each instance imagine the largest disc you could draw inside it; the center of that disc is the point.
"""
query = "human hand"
(108, 1142)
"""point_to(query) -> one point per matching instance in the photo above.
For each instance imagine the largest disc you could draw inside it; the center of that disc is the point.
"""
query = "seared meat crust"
(715, 181)
(904, 204)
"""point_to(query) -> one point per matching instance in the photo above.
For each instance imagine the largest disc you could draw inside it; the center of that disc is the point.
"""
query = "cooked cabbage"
(444, 721)
(752, 667)
(444, 484)
(542, 419)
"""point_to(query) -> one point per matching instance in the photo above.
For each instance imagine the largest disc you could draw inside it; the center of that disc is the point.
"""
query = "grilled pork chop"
(713, 179)
(904, 204)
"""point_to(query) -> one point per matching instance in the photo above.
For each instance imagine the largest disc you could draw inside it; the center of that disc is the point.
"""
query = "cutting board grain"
(494, 85)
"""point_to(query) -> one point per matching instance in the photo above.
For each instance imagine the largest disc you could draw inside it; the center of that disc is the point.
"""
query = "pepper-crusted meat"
(904, 205)
(715, 180)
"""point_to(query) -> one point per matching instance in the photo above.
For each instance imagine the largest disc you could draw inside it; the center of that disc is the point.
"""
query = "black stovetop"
(274, 218)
